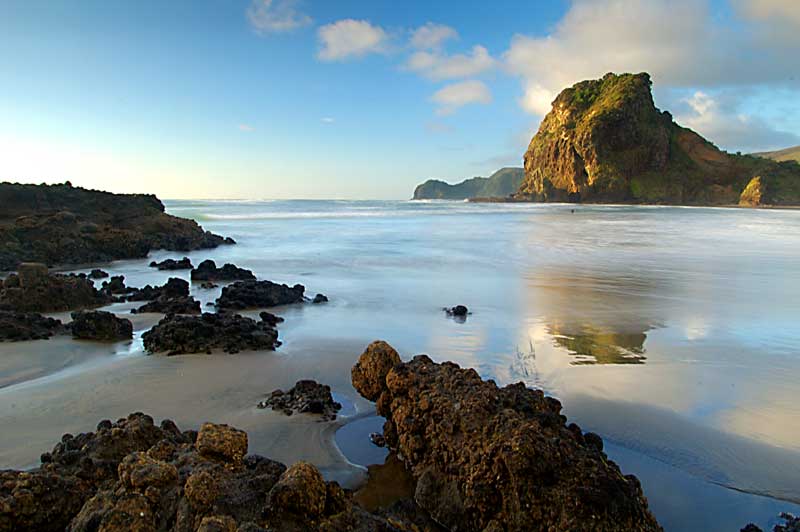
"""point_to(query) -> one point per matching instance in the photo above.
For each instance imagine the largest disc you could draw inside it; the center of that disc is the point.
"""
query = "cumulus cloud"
(431, 36)
(275, 16)
(328, 120)
(456, 95)
(437, 65)
(350, 38)
(717, 118)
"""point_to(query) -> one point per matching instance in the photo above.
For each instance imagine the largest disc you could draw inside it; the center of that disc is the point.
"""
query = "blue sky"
(360, 99)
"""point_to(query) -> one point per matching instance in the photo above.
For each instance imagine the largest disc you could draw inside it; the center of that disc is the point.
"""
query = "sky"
(252, 99)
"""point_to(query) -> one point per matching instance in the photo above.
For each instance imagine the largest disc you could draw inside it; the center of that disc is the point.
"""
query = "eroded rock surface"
(34, 289)
(20, 326)
(172, 264)
(208, 271)
(62, 224)
(305, 397)
(488, 458)
(259, 294)
(230, 333)
(101, 326)
(134, 475)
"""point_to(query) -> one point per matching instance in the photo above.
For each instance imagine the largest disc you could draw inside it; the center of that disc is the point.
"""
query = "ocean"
(671, 332)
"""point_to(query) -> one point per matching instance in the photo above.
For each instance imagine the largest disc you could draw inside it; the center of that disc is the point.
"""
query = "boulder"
(301, 490)
(230, 333)
(222, 441)
(208, 271)
(97, 274)
(173, 288)
(459, 311)
(259, 294)
(33, 289)
(172, 264)
(490, 458)
(170, 305)
(100, 325)
(20, 326)
(319, 298)
(305, 397)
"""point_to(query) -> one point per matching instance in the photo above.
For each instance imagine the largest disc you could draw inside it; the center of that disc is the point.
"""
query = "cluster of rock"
(495, 459)
(34, 289)
(305, 397)
(171, 298)
(459, 311)
(230, 333)
(790, 524)
(62, 224)
(101, 326)
(134, 475)
(208, 271)
(259, 294)
(172, 264)
(21, 326)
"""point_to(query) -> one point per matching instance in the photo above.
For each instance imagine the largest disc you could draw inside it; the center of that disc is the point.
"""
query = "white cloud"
(328, 120)
(452, 97)
(431, 36)
(275, 16)
(350, 38)
(770, 10)
(247, 128)
(438, 66)
(716, 118)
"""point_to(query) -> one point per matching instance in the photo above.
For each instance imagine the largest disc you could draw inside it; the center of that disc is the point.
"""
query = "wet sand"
(109, 382)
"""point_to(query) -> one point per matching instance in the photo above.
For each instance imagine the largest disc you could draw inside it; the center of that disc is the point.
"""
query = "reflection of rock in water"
(523, 366)
(590, 346)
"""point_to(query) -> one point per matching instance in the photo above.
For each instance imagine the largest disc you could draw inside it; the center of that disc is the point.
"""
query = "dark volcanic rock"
(489, 458)
(208, 271)
(306, 397)
(115, 286)
(605, 141)
(459, 310)
(172, 264)
(230, 333)
(259, 294)
(33, 289)
(173, 288)
(62, 224)
(133, 475)
(170, 305)
(271, 319)
(208, 285)
(19, 326)
(97, 274)
(100, 325)
(790, 524)
(319, 298)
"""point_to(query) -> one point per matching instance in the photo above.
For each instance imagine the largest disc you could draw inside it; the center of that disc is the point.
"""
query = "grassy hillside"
(788, 154)
(500, 184)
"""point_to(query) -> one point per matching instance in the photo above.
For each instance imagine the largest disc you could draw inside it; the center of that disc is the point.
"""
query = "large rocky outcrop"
(21, 326)
(62, 224)
(500, 184)
(134, 475)
(101, 326)
(605, 141)
(495, 459)
(259, 294)
(34, 289)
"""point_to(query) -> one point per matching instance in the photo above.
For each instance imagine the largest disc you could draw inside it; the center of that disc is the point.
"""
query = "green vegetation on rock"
(502, 183)
(604, 141)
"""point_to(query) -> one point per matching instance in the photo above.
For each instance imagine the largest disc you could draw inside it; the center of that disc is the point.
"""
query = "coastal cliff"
(604, 141)
(62, 224)
(502, 183)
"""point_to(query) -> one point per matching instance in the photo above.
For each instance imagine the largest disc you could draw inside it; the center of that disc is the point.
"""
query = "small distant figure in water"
(458, 313)
(572, 211)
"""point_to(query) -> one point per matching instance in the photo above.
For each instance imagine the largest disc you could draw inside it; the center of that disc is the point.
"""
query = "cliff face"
(61, 224)
(605, 141)
(502, 183)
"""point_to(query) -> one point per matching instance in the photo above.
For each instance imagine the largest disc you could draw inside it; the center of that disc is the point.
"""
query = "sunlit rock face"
(605, 141)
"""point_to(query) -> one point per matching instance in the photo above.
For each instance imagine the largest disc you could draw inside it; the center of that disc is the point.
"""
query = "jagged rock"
(132, 475)
(173, 288)
(20, 326)
(170, 305)
(489, 458)
(231, 333)
(305, 397)
(33, 289)
(319, 298)
(172, 264)
(100, 325)
(790, 524)
(61, 224)
(97, 274)
(259, 294)
(115, 286)
(208, 271)
(208, 285)
(459, 311)
(377, 439)
(270, 319)
(605, 141)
